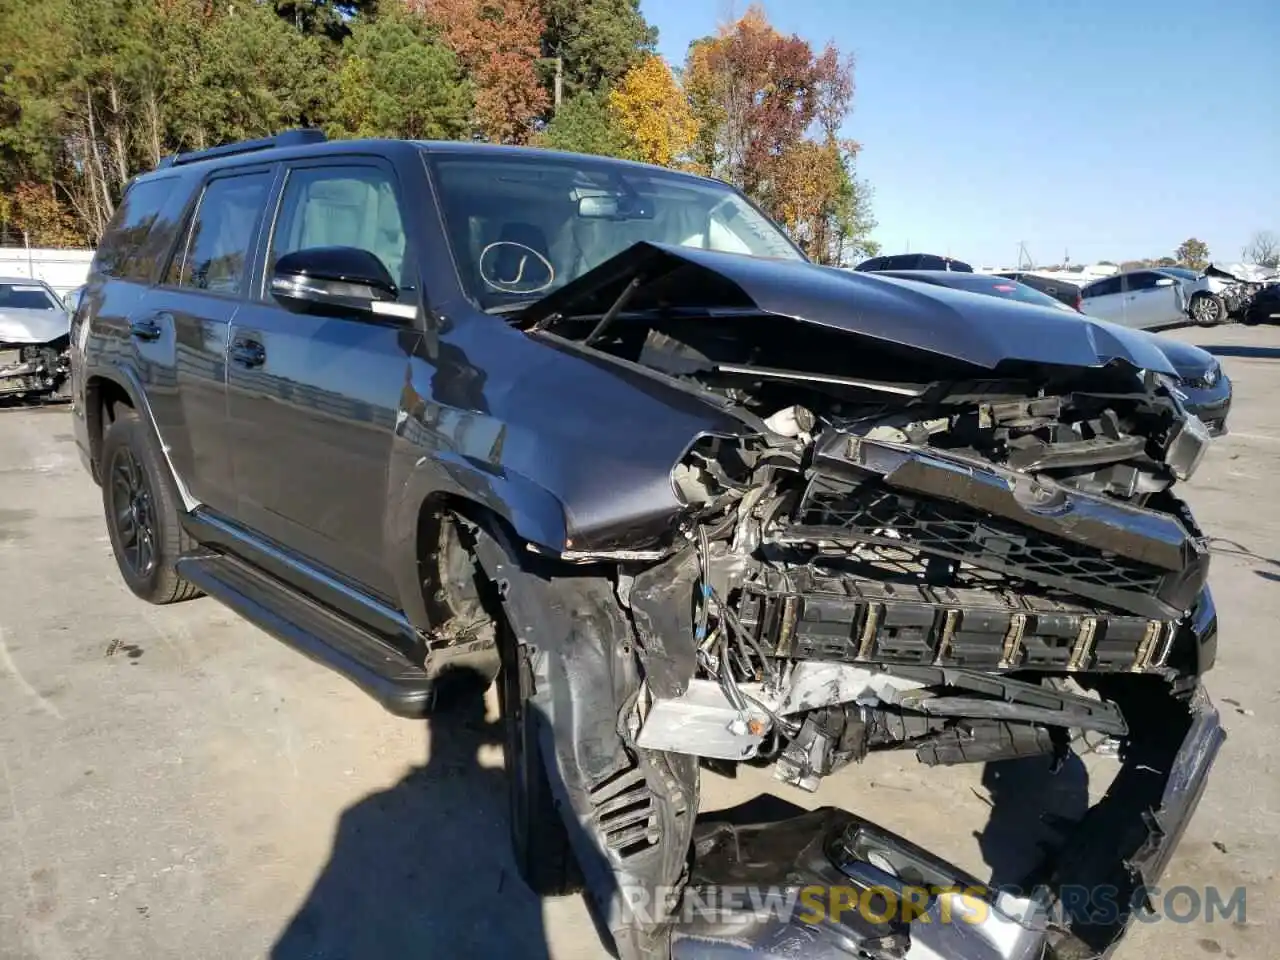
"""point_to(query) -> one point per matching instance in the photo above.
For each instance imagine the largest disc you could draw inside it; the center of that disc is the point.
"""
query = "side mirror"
(346, 278)
(1165, 282)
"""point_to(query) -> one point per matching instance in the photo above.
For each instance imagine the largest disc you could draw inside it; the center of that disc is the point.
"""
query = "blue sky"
(1106, 129)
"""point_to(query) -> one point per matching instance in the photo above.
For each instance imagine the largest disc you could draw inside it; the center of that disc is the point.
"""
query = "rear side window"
(218, 240)
(1102, 288)
(130, 248)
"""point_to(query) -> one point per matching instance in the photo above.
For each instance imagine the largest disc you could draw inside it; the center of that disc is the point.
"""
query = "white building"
(64, 270)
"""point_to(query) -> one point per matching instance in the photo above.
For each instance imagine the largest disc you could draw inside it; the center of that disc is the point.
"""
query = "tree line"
(93, 93)
(1263, 248)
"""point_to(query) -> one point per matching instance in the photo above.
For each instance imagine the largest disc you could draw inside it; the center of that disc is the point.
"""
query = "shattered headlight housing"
(1187, 445)
(1208, 379)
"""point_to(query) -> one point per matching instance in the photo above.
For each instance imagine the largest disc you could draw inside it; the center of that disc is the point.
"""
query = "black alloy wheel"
(134, 513)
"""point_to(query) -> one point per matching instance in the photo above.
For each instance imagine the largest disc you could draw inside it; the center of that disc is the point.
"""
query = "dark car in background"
(1063, 291)
(1205, 388)
(913, 261)
(1265, 307)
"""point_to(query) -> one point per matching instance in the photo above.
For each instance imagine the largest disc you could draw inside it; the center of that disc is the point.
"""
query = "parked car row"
(1148, 299)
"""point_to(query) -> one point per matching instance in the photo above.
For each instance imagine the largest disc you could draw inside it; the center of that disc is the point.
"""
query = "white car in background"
(1145, 299)
(1167, 296)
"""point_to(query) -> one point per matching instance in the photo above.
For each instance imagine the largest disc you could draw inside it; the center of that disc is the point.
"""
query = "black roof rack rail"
(289, 138)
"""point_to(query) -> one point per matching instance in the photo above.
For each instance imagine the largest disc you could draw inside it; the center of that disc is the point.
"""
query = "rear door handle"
(248, 353)
(148, 328)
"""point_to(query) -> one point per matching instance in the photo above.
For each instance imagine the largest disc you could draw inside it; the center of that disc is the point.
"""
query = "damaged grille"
(810, 614)
(891, 523)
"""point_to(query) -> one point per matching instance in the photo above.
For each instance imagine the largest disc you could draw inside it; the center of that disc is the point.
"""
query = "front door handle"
(147, 328)
(248, 353)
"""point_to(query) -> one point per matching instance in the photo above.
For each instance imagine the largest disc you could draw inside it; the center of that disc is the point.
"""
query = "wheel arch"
(509, 506)
(105, 390)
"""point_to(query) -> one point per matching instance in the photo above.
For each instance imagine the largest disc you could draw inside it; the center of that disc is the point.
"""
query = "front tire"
(1208, 309)
(142, 512)
(539, 838)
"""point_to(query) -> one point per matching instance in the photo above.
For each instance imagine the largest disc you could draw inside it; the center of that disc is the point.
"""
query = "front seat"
(517, 268)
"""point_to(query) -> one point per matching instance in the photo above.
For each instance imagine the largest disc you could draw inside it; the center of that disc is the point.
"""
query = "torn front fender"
(1124, 843)
(629, 812)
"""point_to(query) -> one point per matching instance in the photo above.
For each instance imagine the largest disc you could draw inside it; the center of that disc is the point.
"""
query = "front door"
(1148, 303)
(312, 399)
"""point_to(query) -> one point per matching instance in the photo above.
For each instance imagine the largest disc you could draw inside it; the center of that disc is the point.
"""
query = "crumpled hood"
(1241, 272)
(969, 327)
(1188, 360)
(33, 326)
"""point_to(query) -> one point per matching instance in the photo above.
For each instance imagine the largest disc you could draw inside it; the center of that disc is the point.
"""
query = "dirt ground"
(175, 783)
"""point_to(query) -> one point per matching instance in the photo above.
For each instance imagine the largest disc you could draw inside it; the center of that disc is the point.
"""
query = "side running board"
(325, 636)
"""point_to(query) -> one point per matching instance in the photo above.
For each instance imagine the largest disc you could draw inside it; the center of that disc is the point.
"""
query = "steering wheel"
(530, 259)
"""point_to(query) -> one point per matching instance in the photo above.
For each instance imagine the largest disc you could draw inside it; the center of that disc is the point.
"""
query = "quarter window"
(342, 207)
(216, 254)
(130, 247)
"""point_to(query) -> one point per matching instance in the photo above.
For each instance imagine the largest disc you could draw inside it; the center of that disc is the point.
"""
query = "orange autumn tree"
(768, 110)
(653, 113)
(498, 42)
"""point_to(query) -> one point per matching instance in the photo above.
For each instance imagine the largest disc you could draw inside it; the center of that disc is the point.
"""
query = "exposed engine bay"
(958, 538)
(899, 563)
(1239, 284)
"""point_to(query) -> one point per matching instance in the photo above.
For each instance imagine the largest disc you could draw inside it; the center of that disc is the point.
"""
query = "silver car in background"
(35, 331)
(1157, 297)
(1144, 299)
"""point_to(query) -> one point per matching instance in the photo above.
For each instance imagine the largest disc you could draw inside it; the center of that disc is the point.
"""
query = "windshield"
(1180, 272)
(26, 296)
(522, 225)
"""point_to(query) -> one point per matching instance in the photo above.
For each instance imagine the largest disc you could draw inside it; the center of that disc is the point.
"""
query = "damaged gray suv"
(599, 430)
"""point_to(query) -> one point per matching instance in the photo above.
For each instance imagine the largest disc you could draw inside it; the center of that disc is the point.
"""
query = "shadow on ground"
(1032, 807)
(424, 868)
(1243, 351)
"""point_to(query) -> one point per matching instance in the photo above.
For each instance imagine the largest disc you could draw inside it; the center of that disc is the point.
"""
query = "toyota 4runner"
(600, 431)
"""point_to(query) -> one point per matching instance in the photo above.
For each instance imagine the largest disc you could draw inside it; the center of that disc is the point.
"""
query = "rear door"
(312, 399)
(188, 315)
(1105, 299)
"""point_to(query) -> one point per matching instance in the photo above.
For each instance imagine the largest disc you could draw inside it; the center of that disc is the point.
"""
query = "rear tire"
(539, 838)
(1208, 309)
(143, 512)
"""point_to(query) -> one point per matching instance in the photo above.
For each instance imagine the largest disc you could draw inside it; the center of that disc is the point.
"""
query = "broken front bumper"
(827, 885)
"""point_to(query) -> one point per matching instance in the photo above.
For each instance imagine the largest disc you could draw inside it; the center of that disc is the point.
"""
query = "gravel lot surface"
(175, 783)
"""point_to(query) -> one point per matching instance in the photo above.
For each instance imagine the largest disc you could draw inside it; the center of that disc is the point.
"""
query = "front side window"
(216, 254)
(27, 296)
(342, 207)
(1141, 281)
(521, 226)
